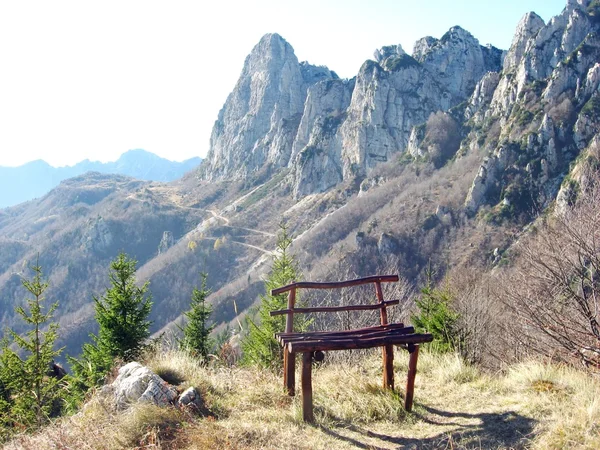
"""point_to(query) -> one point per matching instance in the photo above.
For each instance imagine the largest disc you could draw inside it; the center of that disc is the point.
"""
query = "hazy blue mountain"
(36, 178)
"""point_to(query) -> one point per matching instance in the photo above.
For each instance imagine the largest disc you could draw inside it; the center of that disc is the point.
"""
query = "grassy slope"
(532, 405)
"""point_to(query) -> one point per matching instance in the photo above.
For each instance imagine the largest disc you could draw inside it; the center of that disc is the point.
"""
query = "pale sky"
(82, 79)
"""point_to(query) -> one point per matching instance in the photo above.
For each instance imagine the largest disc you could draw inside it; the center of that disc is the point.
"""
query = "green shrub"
(400, 62)
(592, 108)
(122, 314)
(436, 316)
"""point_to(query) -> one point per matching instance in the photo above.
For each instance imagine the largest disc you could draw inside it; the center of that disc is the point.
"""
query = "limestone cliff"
(260, 118)
(528, 110)
(543, 109)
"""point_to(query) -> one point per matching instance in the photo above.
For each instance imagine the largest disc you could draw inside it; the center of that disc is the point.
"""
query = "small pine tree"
(196, 333)
(437, 317)
(259, 346)
(122, 314)
(28, 395)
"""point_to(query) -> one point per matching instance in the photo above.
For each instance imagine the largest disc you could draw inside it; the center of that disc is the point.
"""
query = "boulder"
(137, 383)
(190, 398)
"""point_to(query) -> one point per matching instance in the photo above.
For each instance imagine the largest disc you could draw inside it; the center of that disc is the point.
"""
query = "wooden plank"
(350, 344)
(307, 401)
(364, 335)
(410, 380)
(335, 285)
(291, 311)
(357, 330)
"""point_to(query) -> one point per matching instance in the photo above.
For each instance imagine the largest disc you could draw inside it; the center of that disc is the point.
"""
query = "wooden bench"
(312, 344)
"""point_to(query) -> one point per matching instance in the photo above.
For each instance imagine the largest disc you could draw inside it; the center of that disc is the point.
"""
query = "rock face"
(285, 113)
(317, 150)
(543, 103)
(166, 242)
(260, 118)
(98, 236)
(530, 99)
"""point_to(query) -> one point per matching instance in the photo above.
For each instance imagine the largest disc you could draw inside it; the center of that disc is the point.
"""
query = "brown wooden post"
(289, 359)
(410, 381)
(388, 350)
(307, 401)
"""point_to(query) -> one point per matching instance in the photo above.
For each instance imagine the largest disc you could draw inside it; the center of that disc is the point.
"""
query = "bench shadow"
(493, 430)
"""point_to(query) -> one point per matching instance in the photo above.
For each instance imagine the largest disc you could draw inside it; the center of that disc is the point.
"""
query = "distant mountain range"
(36, 178)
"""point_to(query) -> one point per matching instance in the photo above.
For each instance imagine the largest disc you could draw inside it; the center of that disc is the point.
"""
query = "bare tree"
(555, 287)
(442, 137)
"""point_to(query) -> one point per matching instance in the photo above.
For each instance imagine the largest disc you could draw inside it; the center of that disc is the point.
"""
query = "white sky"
(82, 79)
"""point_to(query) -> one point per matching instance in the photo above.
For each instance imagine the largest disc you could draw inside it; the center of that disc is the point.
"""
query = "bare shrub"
(442, 137)
(555, 287)
(562, 109)
(481, 319)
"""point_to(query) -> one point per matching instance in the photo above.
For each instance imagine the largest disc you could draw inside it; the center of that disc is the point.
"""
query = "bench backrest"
(291, 288)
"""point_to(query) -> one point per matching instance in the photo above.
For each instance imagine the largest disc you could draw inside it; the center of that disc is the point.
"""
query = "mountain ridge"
(36, 178)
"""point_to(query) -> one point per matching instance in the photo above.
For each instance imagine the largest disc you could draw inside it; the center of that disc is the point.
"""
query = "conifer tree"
(435, 315)
(196, 333)
(259, 346)
(28, 395)
(122, 313)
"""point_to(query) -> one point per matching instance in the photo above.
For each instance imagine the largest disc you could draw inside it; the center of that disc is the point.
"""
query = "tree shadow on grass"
(493, 430)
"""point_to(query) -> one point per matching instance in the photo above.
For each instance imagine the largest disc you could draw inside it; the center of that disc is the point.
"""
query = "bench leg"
(410, 381)
(388, 367)
(289, 372)
(307, 403)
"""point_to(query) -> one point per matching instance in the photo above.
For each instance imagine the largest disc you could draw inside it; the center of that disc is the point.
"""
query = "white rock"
(190, 398)
(527, 28)
(136, 383)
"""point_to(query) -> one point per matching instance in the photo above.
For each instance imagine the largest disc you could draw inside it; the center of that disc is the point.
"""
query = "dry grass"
(531, 405)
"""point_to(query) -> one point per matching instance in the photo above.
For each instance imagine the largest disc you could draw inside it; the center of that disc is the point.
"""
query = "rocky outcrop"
(166, 242)
(190, 398)
(544, 102)
(538, 50)
(487, 176)
(482, 95)
(98, 236)
(398, 92)
(136, 383)
(260, 118)
(457, 61)
(527, 28)
(386, 103)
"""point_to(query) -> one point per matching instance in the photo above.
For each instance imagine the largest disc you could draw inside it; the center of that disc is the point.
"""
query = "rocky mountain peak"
(457, 60)
(388, 51)
(257, 125)
(528, 26)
